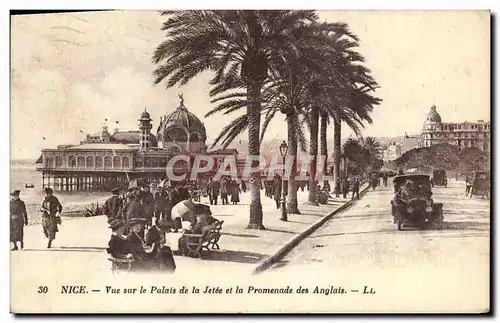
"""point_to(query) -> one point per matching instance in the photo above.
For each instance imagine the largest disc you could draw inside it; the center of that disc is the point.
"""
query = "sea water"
(24, 172)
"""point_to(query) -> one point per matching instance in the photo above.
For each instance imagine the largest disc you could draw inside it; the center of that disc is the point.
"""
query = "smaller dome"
(433, 116)
(145, 115)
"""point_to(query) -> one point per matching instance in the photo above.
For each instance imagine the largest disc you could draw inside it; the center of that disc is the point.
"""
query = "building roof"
(181, 117)
(101, 146)
(433, 116)
(131, 137)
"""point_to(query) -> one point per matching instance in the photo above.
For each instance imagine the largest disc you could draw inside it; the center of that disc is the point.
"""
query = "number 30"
(43, 289)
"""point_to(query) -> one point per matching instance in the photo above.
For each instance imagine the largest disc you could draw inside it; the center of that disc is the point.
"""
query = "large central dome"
(183, 129)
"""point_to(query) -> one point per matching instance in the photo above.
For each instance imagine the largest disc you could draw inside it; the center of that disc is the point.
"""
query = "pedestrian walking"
(18, 219)
(235, 193)
(277, 190)
(224, 191)
(355, 188)
(113, 205)
(345, 186)
(51, 216)
(468, 186)
(213, 191)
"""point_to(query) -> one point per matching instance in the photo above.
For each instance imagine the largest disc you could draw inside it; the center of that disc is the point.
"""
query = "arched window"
(80, 160)
(125, 162)
(195, 137)
(98, 162)
(59, 161)
(117, 162)
(71, 161)
(49, 162)
(108, 162)
(90, 162)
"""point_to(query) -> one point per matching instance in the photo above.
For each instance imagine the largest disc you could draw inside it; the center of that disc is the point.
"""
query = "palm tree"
(373, 146)
(323, 146)
(241, 47)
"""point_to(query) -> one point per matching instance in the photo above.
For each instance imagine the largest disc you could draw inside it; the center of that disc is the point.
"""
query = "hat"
(15, 193)
(115, 191)
(135, 221)
(48, 190)
(201, 209)
(116, 223)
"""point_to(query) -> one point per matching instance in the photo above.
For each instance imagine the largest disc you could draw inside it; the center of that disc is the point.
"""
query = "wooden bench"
(195, 243)
(118, 264)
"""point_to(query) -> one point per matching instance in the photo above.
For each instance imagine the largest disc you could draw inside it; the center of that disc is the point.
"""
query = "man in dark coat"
(277, 191)
(147, 200)
(18, 219)
(224, 191)
(113, 205)
(213, 191)
(51, 216)
(355, 188)
(345, 186)
(135, 209)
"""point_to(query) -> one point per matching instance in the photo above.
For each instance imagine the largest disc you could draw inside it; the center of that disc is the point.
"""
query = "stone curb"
(292, 243)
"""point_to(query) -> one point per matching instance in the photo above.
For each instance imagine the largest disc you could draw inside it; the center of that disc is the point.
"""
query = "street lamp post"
(283, 151)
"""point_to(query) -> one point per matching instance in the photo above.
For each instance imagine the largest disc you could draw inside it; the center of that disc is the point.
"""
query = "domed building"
(462, 134)
(182, 131)
(104, 160)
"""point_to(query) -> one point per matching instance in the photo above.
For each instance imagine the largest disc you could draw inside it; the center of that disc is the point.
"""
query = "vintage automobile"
(481, 184)
(439, 178)
(419, 208)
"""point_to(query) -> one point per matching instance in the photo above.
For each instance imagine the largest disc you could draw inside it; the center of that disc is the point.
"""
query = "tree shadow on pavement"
(466, 225)
(235, 256)
(282, 231)
(240, 235)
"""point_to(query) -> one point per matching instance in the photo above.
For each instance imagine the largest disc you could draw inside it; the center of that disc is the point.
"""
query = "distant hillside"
(272, 146)
(445, 156)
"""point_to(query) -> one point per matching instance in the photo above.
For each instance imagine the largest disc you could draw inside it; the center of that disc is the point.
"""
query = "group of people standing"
(51, 210)
(225, 188)
(348, 184)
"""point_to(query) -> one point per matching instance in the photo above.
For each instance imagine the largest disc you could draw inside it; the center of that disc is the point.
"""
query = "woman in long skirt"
(235, 193)
(51, 216)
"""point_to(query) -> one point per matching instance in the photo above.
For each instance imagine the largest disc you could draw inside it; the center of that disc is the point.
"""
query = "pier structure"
(104, 161)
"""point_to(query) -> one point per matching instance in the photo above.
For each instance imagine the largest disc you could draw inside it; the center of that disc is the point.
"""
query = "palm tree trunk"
(313, 152)
(336, 154)
(322, 143)
(292, 206)
(253, 114)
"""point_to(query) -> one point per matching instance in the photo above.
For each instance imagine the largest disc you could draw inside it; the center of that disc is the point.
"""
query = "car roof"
(402, 178)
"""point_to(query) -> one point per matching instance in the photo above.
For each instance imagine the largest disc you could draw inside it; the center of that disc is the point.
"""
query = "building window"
(80, 160)
(108, 162)
(59, 161)
(485, 146)
(71, 162)
(125, 162)
(98, 162)
(117, 162)
(89, 162)
(49, 162)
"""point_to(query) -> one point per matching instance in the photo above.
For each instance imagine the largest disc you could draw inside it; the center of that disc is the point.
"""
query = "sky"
(71, 71)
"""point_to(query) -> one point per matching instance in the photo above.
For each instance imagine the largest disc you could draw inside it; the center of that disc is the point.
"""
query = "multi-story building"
(106, 160)
(462, 134)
